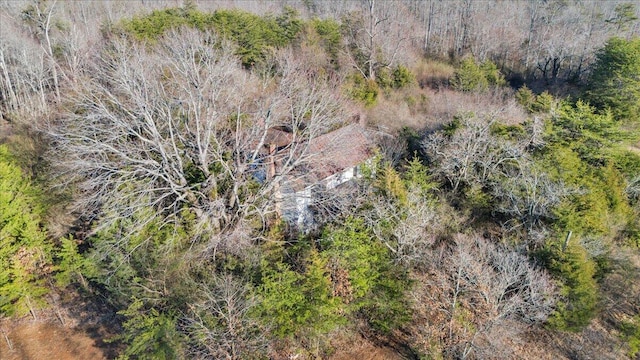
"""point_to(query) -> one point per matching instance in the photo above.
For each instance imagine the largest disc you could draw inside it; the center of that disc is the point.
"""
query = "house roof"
(277, 137)
(338, 150)
(329, 154)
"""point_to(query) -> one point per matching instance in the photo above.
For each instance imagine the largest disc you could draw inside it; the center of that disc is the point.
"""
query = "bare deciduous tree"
(479, 289)
(39, 16)
(220, 325)
(529, 197)
(180, 126)
(408, 230)
(472, 154)
(375, 36)
(24, 74)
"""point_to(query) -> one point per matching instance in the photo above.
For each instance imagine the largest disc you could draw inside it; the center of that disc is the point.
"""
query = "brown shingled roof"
(339, 150)
(274, 137)
(277, 137)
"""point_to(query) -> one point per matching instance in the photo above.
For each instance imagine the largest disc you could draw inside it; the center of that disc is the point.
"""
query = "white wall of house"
(296, 205)
(303, 202)
(340, 178)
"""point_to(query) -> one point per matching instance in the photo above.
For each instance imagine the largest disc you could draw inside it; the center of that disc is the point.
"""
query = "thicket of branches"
(493, 217)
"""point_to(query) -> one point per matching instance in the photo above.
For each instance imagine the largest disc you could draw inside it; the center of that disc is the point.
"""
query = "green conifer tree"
(571, 263)
(25, 255)
(615, 79)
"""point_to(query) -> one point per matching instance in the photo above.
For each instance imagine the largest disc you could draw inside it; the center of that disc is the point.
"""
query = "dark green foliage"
(254, 35)
(128, 268)
(71, 264)
(149, 334)
(631, 334)
(450, 128)
(588, 133)
(282, 301)
(396, 78)
(471, 76)
(480, 201)
(416, 177)
(511, 132)
(25, 254)
(413, 140)
(363, 90)
(579, 289)
(374, 286)
(628, 162)
(543, 103)
(534, 103)
(152, 26)
(384, 79)
(148, 274)
(388, 308)
(584, 151)
(598, 200)
(390, 184)
(492, 73)
(614, 82)
(289, 24)
(294, 303)
(193, 174)
(402, 77)
(525, 97)
(353, 249)
(330, 36)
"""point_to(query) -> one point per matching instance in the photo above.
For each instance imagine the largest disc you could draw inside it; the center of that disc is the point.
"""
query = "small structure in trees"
(335, 158)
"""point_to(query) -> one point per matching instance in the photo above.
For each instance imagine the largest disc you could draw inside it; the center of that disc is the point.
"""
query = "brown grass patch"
(357, 347)
(432, 73)
(393, 112)
(428, 109)
(500, 103)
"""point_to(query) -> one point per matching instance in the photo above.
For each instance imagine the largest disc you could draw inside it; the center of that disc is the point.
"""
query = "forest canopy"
(187, 168)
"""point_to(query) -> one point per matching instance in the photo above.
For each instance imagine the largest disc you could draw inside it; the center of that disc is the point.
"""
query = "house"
(335, 158)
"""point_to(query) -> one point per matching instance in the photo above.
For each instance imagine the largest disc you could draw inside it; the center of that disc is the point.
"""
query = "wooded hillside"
(182, 169)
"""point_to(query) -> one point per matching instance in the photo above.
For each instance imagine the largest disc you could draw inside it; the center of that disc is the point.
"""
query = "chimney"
(272, 161)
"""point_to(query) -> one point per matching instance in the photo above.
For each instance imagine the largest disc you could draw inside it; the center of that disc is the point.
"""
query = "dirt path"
(367, 351)
(38, 341)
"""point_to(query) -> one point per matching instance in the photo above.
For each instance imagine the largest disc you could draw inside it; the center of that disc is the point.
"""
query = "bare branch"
(180, 126)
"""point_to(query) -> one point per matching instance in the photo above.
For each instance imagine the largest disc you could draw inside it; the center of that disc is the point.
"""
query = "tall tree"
(40, 17)
(180, 127)
(614, 82)
(374, 36)
(625, 14)
(25, 255)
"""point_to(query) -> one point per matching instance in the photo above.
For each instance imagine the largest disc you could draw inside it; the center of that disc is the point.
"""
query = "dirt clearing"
(37, 341)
